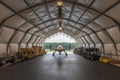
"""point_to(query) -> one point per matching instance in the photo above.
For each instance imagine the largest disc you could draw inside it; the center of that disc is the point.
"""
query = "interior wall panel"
(109, 49)
(29, 46)
(115, 12)
(118, 47)
(118, 51)
(15, 21)
(6, 35)
(33, 39)
(103, 5)
(14, 4)
(80, 41)
(95, 39)
(100, 47)
(4, 12)
(26, 26)
(22, 45)
(83, 39)
(94, 26)
(37, 40)
(104, 22)
(13, 48)
(89, 40)
(18, 36)
(91, 45)
(27, 37)
(3, 49)
(105, 39)
(115, 33)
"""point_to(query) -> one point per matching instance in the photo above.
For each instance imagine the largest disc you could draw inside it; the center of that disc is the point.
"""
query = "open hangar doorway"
(60, 39)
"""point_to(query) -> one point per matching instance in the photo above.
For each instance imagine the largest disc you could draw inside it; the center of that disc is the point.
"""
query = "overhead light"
(60, 28)
(59, 19)
(59, 3)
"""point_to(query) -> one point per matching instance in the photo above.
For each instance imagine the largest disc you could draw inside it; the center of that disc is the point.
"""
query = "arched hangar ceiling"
(89, 21)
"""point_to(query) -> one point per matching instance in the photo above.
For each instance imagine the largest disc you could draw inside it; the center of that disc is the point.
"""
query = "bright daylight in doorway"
(60, 37)
(61, 40)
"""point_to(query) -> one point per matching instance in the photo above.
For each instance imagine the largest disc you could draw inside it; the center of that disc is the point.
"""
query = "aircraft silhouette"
(59, 49)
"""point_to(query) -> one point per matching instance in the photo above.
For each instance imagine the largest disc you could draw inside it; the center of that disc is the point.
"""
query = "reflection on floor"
(60, 67)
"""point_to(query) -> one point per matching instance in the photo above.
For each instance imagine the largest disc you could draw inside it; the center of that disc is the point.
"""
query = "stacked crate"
(39, 50)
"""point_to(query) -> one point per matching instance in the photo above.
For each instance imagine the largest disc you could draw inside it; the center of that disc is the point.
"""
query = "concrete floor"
(72, 67)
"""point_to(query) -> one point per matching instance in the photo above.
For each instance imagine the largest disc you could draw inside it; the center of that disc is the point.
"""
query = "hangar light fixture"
(59, 3)
(59, 19)
(60, 29)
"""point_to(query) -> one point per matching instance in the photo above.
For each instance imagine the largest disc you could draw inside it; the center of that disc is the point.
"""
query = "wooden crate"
(104, 59)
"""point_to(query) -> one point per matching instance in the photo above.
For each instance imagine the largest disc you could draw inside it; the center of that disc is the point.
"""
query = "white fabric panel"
(99, 46)
(40, 41)
(115, 12)
(15, 21)
(103, 4)
(84, 40)
(26, 26)
(104, 22)
(83, 45)
(48, 23)
(41, 26)
(16, 4)
(33, 30)
(87, 46)
(89, 15)
(29, 45)
(72, 23)
(6, 34)
(118, 47)
(80, 41)
(46, 30)
(38, 34)
(87, 30)
(3, 49)
(23, 46)
(94, 26)
(51, 5)
(88, 39)
(116, 57)
(13, 48)
(91, 45)
(77, 43)
(17, 37)
(34, 44)
(32, 40)
(27, 37)
(114, 32)
(86, 2)
(33, 2)
(4, 12)
(37, 40)
(104, 38)
(94, 38)
(108, 48)
(28, 14)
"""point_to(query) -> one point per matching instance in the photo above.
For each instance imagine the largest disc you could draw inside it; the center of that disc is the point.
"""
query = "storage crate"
(104, 59)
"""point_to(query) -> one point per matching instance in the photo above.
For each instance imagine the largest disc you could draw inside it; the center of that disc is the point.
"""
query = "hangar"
(92, 23)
